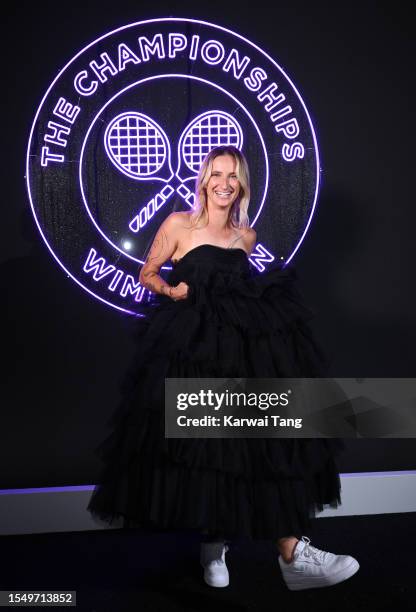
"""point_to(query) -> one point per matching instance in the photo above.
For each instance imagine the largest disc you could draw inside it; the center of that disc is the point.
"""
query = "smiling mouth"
(223, 194)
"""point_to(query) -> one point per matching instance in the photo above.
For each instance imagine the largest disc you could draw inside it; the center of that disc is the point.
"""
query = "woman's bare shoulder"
(249, 238)
(179, 219)
(251, 233)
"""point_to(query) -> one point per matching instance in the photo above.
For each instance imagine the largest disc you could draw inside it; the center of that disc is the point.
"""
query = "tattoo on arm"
(159, 253)
(152, 287)
(159, 245)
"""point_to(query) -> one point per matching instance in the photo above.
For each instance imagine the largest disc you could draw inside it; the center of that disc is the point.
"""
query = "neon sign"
(146, 150)
(120, 134)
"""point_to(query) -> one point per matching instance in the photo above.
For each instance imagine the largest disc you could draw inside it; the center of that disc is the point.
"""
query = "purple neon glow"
(65, 110)
(122, 91)
(57, 129)
(213, 44)
(195, 41)
(208, 130)
(101, 270)
(30, 490)
(136, 145)
(47, 156)
(152, 207)
(259, 255)
(79, 88)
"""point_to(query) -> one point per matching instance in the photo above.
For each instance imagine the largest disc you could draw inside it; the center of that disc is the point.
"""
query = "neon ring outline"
(141, 23)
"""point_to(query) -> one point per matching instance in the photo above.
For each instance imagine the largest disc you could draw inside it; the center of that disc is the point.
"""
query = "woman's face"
(223, 186)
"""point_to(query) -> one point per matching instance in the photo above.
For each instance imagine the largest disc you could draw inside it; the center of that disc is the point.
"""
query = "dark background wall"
(64, 353)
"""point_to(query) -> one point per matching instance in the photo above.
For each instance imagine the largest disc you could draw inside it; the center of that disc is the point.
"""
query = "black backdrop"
(64, 353)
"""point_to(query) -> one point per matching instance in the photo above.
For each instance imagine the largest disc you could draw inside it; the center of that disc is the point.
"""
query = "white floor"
(54, 509)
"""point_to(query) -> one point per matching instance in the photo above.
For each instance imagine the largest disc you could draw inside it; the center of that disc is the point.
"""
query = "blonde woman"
(216, 317)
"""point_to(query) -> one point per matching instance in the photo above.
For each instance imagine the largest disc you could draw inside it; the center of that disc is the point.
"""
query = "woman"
(217, 317)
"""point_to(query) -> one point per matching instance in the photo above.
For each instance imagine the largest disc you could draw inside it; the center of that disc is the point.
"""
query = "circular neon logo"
(119, 136)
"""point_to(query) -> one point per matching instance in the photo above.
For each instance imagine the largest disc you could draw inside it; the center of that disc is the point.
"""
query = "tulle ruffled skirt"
(238, 487)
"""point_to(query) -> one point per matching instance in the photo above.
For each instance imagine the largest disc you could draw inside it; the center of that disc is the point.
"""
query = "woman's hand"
(180, 292)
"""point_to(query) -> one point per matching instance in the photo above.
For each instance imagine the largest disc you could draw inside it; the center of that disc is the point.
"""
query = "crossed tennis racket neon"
(138, 147)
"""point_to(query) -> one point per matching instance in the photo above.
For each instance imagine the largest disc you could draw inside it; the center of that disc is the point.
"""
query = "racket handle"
(147, 212)
(186, 194)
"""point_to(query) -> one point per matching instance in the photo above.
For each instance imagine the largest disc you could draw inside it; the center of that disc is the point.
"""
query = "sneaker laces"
(221, 560)
(317, 555)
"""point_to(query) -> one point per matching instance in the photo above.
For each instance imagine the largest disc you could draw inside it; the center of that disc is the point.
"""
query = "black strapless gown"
(235, 322)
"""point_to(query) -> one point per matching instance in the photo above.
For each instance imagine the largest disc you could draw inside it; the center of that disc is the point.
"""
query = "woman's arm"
(162, 249)
(250, 239)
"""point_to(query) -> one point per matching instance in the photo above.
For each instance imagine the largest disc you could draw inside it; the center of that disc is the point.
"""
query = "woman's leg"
(286, 546)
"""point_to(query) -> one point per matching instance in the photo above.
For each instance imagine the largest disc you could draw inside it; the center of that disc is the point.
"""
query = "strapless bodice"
(208, 264)
(211, 256)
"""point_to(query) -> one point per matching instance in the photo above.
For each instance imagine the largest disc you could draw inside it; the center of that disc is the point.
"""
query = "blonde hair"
(238, 216)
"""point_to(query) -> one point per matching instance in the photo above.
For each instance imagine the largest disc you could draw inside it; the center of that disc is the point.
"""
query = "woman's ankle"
(286, 547)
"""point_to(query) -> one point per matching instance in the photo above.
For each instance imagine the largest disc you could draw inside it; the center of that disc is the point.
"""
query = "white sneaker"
(312, 568)
(213, 561)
